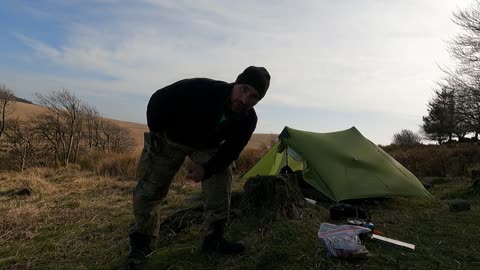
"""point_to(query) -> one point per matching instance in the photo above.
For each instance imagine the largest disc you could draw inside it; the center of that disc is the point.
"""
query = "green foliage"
(439, 124)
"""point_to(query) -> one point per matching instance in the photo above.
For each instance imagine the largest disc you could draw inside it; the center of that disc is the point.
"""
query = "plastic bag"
(342, 240)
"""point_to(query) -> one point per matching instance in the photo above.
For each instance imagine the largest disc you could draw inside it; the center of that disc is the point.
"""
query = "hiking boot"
(231, 247)
(214, 241)
(140, 250)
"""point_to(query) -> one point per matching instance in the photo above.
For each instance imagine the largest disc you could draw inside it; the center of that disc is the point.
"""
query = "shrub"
(122, 165)
(437, 160)
(406, 137)
(248, 158)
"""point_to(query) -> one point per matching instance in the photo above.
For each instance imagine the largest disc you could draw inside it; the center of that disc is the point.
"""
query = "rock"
(23, 192)
(475, 174)
(19, 192)
(457, 205)
(427, 185)
(476, 186)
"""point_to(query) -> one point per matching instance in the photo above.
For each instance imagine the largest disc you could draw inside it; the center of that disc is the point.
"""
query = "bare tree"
(66, 108)
(455, 111)
(406, 137)
(92, 119)
(20, 139)
(466, 46)
(72, 126)
(122, 140)
(114, 138)
(7, 106)
(49, 132)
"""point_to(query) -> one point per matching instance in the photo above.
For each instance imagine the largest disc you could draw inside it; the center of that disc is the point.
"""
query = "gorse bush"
(437, 160)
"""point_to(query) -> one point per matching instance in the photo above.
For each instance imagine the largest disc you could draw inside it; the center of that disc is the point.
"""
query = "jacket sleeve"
(230, 150)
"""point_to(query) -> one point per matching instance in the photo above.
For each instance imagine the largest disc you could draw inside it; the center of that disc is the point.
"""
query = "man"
(209, 121)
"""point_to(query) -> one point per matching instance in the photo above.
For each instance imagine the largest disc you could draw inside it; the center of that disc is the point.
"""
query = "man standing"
(209, 121)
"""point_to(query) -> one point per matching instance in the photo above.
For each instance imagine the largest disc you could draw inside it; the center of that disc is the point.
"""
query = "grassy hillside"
(25, 111)
(78, 220)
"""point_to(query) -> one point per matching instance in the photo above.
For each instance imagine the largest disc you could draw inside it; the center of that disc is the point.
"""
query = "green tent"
(342, 165)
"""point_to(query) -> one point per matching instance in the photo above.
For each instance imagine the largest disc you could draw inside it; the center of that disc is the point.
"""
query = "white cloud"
(350, 55)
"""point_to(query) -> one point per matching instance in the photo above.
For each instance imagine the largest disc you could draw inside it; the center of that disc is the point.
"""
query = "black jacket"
(195, 112)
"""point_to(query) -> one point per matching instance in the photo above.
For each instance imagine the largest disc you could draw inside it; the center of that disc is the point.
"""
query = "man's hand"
(195, 172)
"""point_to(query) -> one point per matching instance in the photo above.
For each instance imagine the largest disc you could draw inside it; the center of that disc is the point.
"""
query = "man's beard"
(239, 107)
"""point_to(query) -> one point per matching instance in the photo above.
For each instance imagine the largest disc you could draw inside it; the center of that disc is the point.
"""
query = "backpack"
(344, 211)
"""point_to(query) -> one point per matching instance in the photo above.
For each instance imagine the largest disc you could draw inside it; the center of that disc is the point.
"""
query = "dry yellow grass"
(72, 220)
(64, 215)
(119, 165)
(77, 220)
(24, 111)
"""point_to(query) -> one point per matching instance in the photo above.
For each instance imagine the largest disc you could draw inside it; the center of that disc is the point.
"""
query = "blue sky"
(334, 64)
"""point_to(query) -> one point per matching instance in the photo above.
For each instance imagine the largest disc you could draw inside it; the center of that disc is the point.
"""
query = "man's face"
(243, 98)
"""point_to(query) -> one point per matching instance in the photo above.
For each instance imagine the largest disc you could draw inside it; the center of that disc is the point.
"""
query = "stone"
(475, 174)
(476, 186)
(457, 205)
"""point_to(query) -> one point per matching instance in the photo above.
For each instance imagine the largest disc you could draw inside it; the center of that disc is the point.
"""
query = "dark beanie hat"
(257, 77)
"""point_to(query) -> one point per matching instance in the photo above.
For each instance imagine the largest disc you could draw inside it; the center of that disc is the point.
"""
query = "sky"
(371, 64)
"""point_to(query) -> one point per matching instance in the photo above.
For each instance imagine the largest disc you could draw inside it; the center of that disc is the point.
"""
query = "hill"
(22, 100)
(24, 111)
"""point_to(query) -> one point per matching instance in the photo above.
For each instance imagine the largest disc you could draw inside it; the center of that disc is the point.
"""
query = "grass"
(79, 220)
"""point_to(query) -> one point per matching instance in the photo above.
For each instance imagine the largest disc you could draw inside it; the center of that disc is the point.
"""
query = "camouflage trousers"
(160, 160)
